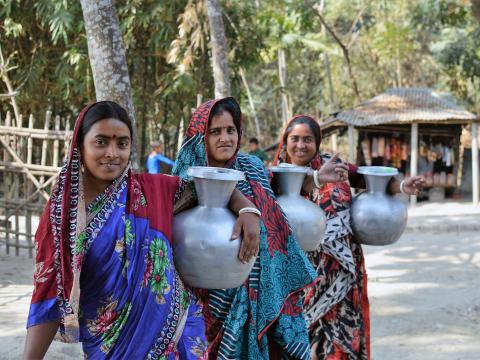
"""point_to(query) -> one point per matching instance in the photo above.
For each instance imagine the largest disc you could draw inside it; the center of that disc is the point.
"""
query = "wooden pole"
(475, 185)
(334, 140)
(351, 145)
(29, 189)
(43, 160)
(56, 143)
(413, 157)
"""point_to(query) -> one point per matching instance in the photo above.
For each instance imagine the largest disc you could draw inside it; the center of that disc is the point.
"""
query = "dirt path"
(424, 294)
(425, 297)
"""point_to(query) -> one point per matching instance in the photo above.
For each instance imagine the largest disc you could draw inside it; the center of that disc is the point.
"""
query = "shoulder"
(156, 181)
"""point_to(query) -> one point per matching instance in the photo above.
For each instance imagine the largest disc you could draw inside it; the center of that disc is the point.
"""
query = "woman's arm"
(331, 171)
(411, 186)
(247, 223)
(39, 338)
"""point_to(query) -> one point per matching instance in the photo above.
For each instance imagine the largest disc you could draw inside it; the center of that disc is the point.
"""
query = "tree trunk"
(107, 58)
(218, 43)
(250, 101)
(282, 75)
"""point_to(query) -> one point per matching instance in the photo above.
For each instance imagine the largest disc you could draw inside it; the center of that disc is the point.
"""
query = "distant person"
(256, 151)
(158, 163)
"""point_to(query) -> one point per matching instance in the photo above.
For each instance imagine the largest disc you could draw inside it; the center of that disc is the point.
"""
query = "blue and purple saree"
(106, 272)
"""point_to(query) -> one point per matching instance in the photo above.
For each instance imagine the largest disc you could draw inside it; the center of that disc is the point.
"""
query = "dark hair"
(103, 110)
(230, 105)
(253, 140)
(311, 123)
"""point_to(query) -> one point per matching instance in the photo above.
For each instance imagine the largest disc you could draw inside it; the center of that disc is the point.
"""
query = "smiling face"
(301, 146)
(221, 139)
(106, 149)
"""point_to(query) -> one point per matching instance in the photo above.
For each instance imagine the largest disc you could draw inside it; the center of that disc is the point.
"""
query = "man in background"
(158, 163)
(256, 151)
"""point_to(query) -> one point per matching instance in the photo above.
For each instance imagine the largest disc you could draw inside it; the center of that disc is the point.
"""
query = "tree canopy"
(337, 53)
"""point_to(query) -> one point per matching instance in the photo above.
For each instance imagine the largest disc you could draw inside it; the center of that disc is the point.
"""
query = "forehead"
(223, 119)
(301, 130)
(109, 127)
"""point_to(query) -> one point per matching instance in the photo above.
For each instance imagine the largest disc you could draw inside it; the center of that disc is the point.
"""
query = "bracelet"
(250, 210)
(315, 179)
(402, 190)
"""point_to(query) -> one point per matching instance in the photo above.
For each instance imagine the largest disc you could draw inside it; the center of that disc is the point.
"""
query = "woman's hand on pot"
(249, 225)
(413, 185)
(332, 171)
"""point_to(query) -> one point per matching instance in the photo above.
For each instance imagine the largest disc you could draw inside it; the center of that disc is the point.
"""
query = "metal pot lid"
(377, 170)
(215, 173)
(290, 168)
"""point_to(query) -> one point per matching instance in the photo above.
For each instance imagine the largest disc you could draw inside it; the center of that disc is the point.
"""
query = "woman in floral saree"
(263, 318)
(104, 270)
(336, 308)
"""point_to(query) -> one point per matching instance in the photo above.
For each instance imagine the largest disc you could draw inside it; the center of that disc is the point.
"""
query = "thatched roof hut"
(405, 109)
(405, 105)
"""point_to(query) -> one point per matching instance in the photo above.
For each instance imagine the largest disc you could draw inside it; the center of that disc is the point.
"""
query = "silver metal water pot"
(203, 252)
(305, 218)
(377, 218)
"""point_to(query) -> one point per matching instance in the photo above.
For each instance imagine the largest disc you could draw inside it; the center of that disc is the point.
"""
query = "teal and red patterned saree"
(263, 318)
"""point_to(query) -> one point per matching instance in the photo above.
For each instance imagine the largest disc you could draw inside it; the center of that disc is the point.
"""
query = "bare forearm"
(394, 186)
(39, 338)
(239, 201)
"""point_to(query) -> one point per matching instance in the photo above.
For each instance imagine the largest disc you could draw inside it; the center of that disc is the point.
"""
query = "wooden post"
(475, 190)
(351, 145)
(413, 157)
(43, 160)
(6, 183)
(29, 187)
(56, 142)
(334, 140)
(68, 138)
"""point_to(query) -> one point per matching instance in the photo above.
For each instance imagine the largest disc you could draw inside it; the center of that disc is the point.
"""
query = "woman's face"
(106, 149)
(301, 146)
(222, 139)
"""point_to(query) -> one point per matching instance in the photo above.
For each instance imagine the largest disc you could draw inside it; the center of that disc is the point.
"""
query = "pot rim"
(377, 170)
(286, 167)
(215, 173)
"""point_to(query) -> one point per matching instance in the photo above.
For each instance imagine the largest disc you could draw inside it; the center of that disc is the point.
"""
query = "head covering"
(269, 299)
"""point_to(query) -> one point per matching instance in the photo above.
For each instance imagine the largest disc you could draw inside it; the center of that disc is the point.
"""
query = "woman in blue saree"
(263, 318)
(104, 270)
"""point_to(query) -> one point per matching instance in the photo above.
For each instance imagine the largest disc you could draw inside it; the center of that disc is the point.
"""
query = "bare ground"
(424, 295)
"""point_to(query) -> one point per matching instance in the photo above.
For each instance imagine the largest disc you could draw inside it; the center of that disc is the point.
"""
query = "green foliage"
(426, 43)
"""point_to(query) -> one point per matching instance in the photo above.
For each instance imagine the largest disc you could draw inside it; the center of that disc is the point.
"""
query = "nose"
(111, 151)
(301, 144)
(224, 135)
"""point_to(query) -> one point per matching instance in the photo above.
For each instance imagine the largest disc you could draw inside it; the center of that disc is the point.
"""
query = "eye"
(308, 140)
(231, 130)
(100, 141)
(123, 144)
(214, 131)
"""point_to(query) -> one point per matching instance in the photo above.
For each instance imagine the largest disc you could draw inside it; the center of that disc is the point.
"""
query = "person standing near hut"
(336, 309)
(104, 271)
